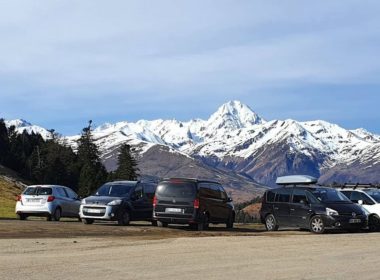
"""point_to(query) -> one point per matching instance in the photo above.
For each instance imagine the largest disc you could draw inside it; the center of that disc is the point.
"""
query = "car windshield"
(38, 191)
(115, 190)
(375, 194)
(176, 189)
(329, 195)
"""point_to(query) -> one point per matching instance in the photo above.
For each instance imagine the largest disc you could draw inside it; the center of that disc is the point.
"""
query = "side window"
(283, 195)
(61, 192)
(223, 194)
(149, 190)
(366, 199)
(356, 196)
(299, 196)
(347, 194)
(138, 192)
(270, 196)
(206, 190)
(71, 194)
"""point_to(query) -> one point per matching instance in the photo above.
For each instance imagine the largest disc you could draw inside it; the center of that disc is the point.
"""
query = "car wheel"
(57, 214)
(230, 221)
(162, 224)
(124, 219)
(317, 225)
(204, 224)
(271, 223)
(374, 223)
(88, 221)
(22, 217)
(154, 223)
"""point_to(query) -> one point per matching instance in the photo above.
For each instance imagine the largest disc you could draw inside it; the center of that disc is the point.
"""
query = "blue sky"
(65, 62)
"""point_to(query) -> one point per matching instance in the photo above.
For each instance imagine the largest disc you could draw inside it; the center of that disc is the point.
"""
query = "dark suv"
(121, 201)
(194, 202)
(304, 205)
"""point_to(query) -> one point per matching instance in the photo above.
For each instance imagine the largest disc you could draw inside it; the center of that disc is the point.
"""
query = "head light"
(115, 202)
(331, 212)
(83, 201)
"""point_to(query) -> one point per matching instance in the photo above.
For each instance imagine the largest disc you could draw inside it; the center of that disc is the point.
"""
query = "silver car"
(49, 201)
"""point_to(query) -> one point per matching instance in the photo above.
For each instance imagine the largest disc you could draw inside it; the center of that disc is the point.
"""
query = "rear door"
(281, 206)
(138, 202)
(299, 208)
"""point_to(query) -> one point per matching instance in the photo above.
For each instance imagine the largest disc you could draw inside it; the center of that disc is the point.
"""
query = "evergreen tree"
(127, 164)
(4, 142)
(92, 171)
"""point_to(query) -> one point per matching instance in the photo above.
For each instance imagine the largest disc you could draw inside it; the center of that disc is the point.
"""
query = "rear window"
(176, 189)
(38, 191)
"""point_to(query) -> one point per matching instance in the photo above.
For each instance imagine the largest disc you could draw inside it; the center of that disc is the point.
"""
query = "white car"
(50, 201)
(369, 199)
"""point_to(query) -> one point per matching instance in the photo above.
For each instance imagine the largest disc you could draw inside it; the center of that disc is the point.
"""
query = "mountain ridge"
(238, 140)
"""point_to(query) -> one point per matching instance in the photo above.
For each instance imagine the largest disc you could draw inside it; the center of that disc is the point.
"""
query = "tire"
(88, 221)
(374, 223)
(162, 224)
(230, 221)
(124, 219)
(204, 224)
(154, 223)
(271, 223)
(22, 217)
(57, 214)
(317, 225)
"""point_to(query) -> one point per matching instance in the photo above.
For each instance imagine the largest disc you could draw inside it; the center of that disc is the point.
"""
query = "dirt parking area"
(70, 250)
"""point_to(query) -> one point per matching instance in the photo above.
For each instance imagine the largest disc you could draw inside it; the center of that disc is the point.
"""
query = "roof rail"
(357, 186)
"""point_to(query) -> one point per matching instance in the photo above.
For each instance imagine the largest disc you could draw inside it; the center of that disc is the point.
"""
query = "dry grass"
(8, 193)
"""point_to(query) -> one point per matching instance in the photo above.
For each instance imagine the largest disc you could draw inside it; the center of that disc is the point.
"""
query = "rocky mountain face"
(242, 148)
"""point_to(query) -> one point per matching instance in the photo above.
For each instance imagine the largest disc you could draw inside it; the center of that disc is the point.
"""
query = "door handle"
(291, 209)
(276, 208)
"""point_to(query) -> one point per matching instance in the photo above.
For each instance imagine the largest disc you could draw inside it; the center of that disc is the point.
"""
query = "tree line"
(53, 161)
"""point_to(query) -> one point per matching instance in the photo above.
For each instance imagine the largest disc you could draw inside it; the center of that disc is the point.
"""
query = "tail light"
(196, 203)
(18, 198)
(154, 201)
(50, 198)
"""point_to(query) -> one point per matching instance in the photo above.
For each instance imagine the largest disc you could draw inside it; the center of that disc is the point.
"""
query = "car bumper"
(98, 212)
(176, 218)
(37, 210)
(345, 222)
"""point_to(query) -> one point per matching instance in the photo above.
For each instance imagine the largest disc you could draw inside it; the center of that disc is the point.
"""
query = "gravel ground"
(70, 250)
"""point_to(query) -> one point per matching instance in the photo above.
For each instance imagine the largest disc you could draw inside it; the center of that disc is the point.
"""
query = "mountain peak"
(235, 114)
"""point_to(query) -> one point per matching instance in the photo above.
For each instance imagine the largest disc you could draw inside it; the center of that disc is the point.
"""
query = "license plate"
(174, 210)
(98, 211)
(355, 221)
(33, 200)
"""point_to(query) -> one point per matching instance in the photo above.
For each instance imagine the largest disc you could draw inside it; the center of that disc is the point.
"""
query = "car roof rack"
(296, 180)
(357, 186)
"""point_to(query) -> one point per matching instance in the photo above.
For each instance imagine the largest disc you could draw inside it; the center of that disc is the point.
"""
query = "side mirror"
(360, 202)
(304, 202)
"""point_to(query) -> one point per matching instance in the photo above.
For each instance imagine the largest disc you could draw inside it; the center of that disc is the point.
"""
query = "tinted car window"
(375, 194)
(38, 191)
(138, 191)
(283, 195)
(116, 190)
(299, 196)
(329, 195)
(270, 196)
(356, 196)
(222, 193)
(347, 193)
(176, 189)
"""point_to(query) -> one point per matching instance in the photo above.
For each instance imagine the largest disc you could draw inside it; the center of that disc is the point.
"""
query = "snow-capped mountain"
(236, 139)
(22, 125)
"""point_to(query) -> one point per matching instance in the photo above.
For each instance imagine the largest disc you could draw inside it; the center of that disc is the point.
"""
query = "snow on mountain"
(236, 136)
(22, 125)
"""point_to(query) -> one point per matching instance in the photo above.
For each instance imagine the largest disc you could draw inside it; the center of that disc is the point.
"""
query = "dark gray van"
(192, 201)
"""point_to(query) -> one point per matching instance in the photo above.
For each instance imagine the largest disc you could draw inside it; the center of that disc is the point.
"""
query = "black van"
(300, 203)
(194, 202)
(121, 201)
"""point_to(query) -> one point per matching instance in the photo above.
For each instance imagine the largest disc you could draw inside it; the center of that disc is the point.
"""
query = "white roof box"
(296, 180)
